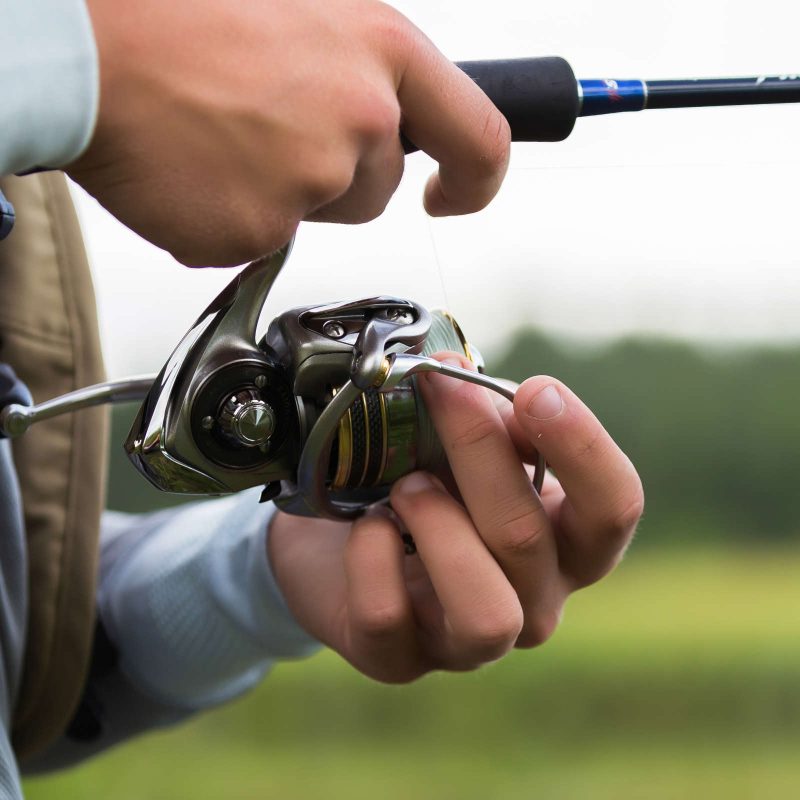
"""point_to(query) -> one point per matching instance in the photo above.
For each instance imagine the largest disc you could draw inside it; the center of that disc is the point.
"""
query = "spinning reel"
(323, 411)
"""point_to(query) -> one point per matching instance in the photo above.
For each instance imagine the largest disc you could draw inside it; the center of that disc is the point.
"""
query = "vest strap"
(49, 334)
(12, 390)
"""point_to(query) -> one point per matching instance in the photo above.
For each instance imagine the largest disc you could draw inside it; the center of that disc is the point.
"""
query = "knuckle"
(633, 509)
(521, 529)
(489, 163)
(496, 142)
(381, 621)
(252, 237)
(366, 209)
(233, 254)
(592, 446)
(538, 628)
(475, 433)
(621, 518)
(494, 634)
(269, 238)
(190, 257)
(396, 676)
(492, 152)
(327, 180)
(376, 119)
(252, 233)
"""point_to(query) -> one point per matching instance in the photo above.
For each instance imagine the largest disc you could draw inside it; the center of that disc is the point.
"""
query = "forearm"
(189, 604)
(48, 83)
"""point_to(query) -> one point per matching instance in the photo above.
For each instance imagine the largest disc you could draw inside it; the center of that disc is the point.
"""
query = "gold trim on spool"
(407, 438)
(345, 439)
(366, 440)
(459, 333)
(383, 373)
(385, 432)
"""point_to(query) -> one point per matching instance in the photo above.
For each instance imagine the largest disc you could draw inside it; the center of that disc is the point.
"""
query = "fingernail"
(415, 483)
(547, 404)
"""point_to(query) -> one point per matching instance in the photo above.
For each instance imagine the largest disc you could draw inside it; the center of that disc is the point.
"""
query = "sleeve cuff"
(49, 83)
(190, 601)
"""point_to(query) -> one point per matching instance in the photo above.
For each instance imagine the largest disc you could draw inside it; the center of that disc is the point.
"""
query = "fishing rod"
(542, 99)
(323, 412)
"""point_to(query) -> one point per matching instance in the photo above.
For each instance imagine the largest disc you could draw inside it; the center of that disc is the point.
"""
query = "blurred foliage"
(715, 434)
(678, 677)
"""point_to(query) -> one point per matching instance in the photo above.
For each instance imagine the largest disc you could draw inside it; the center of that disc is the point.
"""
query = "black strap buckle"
(7, 217)
(12, 390)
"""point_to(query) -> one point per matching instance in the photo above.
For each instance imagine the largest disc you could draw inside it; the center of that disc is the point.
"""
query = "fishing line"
(438, 263)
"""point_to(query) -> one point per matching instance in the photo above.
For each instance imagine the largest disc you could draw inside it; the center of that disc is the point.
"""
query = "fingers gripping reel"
(322, 411)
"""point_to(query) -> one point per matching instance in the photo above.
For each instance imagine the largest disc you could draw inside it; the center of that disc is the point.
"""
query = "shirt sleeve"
(194, 617)
(49, 85)
(190, 602)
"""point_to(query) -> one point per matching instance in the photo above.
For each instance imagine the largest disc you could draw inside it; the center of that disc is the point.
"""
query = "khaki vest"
(48, 334)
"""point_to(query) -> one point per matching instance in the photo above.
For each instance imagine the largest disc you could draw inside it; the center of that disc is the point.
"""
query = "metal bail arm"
(312, 494)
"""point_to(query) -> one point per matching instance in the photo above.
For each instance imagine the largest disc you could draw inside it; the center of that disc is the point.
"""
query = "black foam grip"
(538, 96)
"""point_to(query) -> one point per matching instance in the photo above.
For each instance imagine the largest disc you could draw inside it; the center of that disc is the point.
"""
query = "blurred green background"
(677, 677)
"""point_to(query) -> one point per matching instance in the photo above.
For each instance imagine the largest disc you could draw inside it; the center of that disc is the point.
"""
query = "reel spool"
(385, 435)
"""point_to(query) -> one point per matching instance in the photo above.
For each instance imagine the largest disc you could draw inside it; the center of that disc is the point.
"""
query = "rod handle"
(538, 96)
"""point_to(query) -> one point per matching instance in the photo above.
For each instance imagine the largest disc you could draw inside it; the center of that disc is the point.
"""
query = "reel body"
(323, 411)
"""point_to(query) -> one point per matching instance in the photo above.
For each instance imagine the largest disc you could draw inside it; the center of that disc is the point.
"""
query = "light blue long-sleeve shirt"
(187, 595)
(188, 599)
(49, 84)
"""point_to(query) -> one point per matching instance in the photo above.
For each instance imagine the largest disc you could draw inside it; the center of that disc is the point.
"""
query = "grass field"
(677, 678)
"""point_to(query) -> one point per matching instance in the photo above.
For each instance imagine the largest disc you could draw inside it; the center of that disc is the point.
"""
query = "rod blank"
(542, 99)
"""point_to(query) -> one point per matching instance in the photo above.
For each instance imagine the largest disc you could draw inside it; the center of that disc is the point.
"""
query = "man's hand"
(491, 572)
(222, 125)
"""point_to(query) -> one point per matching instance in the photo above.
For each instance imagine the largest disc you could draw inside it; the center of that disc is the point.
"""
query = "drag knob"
(247, 419)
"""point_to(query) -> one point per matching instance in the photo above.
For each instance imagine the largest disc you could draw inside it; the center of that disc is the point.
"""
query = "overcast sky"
(667, 222)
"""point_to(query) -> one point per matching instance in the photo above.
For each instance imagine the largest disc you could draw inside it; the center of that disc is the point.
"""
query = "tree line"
(714, 433)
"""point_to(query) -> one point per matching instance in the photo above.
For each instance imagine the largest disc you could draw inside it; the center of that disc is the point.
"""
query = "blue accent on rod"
(6, 217)
(610, 96)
